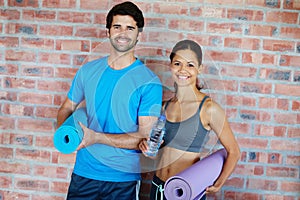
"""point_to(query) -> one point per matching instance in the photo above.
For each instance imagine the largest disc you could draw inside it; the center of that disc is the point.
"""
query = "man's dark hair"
(126, 8)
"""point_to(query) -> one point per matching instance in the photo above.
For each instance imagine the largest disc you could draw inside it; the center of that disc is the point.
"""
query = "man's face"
(123, 33)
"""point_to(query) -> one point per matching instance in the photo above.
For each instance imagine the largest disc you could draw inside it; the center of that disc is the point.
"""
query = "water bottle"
(156, 135)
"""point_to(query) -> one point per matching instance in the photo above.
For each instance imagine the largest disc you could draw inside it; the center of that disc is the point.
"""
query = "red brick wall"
(252, 67)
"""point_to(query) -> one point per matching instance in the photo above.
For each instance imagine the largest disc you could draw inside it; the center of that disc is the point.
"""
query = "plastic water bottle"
(156, 135)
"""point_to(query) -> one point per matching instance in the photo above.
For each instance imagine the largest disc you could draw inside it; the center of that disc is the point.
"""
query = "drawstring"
(160, 189)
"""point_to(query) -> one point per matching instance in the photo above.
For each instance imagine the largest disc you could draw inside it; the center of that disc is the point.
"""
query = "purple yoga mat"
(191, 183)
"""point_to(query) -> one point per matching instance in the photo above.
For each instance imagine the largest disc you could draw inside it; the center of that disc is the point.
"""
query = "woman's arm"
(219, 124)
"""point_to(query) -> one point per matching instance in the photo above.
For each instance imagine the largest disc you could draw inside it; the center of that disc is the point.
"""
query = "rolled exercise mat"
(69, 135)
(191, 183)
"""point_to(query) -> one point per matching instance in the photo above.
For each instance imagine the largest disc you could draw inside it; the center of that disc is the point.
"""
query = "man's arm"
(66, 109)
(126, 141)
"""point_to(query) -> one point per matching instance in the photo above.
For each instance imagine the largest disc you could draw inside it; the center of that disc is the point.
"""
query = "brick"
(44, 141)
(32, 155)
(245, 15)
(271, 74)
(37, 43)
(222, 56)
(20, 55)
(237, 71)
(270, 131)
(38, 15)
(36, 71)
(100, 18)
(167, 8)
(262, 30)
(294, 132)
(59, 187)
(6, 153)
(23, 3)
(9, 42)
(190, 25)
(162, 36)
(90, 32)
(34, 98)
(285, 145)
(58, 86)
(290, 32)
(76, 17)
(226, 2)
(9, 69)
(55, 58)
(46, 112)
(284, 118)
(56, 30)
(224, 28)
(255, 143)
(244, 43)
(291, 5)
(21, 139)
(279, 45)
(255, 115)
(221, 85)
(65, 72)
(5, 182)
(231, 195)
(207, 40)
(15, 167)
(255, 87)
(50, 171)
(7, 123)
(26, 29)
(287, 172)
(286, 60)
(73, 45)
(289, 90)
(44, 196)
(59, 158)
(14, 195)
(19, 83)
(208, 12)
(267, 3)
(19, 110)
(259, 58)
(31, 184)
(59, 4)
(9, 14)
(293, 160)
(8, 96)
(242, 128)
(90, 4)
(282, 17)
(35, 125)
(260, 184)
(290, 186)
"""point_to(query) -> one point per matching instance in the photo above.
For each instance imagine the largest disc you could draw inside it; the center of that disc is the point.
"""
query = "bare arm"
(66, 109)
(219, 124)
(126, 141)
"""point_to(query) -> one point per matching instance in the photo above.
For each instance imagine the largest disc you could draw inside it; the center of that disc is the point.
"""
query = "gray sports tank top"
(187, 135)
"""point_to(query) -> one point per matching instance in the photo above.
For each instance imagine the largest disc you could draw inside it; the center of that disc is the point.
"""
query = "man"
(123, 100)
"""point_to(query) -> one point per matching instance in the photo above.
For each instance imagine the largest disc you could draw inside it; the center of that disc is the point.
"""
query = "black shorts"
(82, 188)
(157, 189)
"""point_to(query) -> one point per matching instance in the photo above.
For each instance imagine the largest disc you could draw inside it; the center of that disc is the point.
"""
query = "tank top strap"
(165, 107)
(202, 102)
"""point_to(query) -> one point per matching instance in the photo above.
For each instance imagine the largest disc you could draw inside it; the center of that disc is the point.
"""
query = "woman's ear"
(200, 68)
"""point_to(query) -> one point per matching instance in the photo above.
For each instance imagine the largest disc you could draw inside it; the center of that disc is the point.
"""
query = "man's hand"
(89, 137)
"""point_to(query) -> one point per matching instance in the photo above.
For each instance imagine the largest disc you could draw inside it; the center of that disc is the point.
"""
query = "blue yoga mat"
(69, 135)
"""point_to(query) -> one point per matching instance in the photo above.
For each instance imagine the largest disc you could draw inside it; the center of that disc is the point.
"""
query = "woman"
(190, 115)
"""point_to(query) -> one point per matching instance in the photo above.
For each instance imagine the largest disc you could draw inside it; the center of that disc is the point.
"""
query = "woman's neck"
(187, 94)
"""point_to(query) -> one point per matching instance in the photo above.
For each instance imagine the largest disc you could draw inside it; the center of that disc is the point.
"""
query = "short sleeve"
(76, 92)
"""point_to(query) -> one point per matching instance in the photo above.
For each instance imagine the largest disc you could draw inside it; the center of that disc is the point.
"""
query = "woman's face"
(185, 68)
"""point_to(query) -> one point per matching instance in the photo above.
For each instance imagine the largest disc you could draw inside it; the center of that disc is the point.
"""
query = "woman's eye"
(191, 65)
(176, 64)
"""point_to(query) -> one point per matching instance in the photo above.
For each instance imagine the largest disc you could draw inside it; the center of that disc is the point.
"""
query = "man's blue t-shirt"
(114, 101)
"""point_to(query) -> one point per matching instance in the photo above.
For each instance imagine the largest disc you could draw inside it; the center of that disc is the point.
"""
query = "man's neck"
(119, 61)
